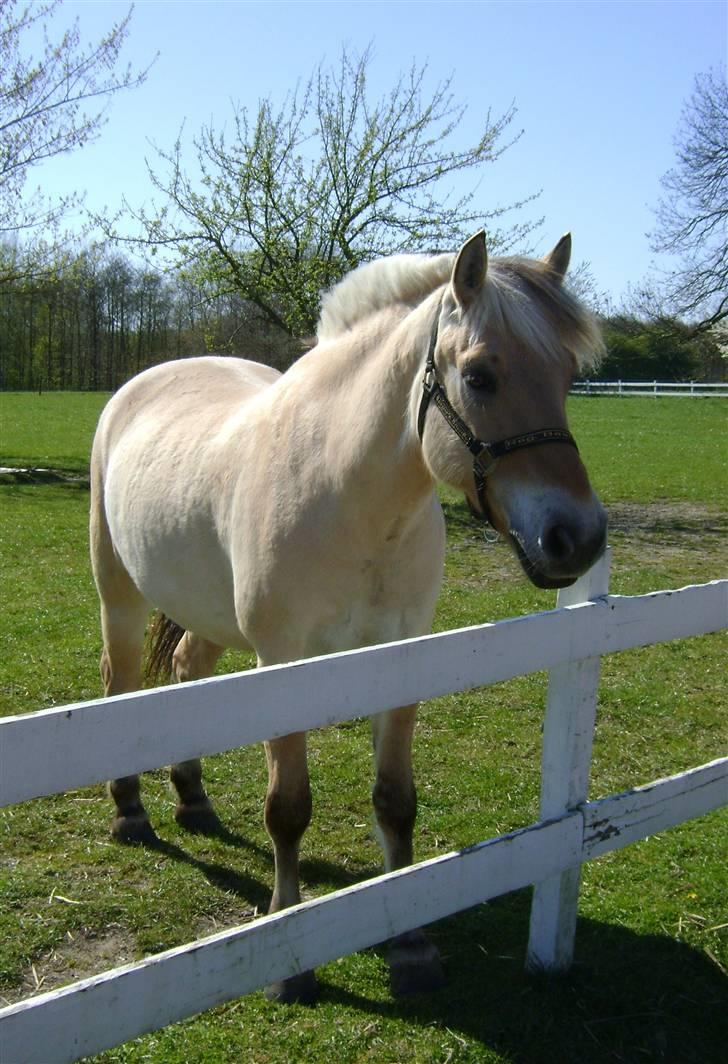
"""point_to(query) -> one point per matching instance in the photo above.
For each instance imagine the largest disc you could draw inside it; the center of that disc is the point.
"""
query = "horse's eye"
(480, 382)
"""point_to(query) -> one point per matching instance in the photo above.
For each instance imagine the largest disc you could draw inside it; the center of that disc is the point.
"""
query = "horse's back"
(173, 419)
(174, 396)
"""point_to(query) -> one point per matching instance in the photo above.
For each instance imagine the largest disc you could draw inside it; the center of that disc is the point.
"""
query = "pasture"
(650, 980)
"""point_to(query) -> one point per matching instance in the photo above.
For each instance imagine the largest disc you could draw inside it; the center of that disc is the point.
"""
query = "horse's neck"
(364, 405)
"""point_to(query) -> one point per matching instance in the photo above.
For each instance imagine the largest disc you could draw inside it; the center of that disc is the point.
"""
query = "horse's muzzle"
(564, 548)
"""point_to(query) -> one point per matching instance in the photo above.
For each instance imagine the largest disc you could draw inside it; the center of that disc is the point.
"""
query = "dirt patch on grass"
(82, 954)
(666, 518)
(35, 475)
(650, 520)
(663, 530)
(85, 953)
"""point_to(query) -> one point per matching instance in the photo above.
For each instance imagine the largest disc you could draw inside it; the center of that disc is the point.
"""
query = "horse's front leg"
(413, 960)
(287, 815)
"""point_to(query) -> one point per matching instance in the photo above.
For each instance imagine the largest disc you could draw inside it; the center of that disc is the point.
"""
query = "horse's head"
(507, 343)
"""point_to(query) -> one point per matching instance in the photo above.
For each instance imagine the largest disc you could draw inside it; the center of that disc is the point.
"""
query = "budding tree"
(291, 197)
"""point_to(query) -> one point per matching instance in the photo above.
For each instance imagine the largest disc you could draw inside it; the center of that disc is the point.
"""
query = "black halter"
(485, 455)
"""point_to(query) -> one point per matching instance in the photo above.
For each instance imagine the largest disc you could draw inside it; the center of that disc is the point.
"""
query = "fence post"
(566, 760)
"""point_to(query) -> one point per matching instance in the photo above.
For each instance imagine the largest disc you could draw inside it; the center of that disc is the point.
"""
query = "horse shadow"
(249, 888)
(218, 874)
(628, 997)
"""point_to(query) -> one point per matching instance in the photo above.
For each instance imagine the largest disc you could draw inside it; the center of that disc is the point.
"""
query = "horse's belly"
(328, 588)
(189, 586)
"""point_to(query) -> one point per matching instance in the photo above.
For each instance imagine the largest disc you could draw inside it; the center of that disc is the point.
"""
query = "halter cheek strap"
(485, 455)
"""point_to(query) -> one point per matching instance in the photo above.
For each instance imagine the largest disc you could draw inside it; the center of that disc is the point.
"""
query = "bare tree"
(295, 196)
(692, 218)
(51, 103)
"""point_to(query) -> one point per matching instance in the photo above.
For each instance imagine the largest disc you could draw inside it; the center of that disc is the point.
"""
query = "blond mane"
(523, 297)
(404, 279)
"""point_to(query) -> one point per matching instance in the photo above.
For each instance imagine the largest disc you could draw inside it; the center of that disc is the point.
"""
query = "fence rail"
(205, 716)
(697, 389)
(61, 749)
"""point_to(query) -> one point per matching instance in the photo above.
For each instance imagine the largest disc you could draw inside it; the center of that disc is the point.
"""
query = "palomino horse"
(296, 514)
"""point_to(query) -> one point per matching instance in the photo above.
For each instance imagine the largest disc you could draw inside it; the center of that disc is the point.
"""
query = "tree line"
(97, 319)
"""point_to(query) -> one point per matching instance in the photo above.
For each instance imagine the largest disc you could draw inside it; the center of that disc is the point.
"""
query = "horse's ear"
(468, 274)
(558, 258)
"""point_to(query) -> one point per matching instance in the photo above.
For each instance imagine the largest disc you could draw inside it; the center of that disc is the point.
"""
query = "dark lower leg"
(193, 659)
(395, 807)
(120, 672)
(394, 796)
(287, 815)
(194, 810)
(414, 962)
(130, 823)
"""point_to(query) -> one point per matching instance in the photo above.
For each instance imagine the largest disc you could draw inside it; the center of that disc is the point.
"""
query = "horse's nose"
(557, 544)
(569, 548)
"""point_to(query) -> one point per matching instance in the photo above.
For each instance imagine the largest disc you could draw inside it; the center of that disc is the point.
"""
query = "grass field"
(650, 982)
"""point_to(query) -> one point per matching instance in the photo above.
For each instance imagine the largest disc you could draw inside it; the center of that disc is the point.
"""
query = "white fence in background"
(61, 749)
(698, 389)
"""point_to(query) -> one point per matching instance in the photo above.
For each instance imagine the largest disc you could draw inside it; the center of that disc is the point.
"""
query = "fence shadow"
(628, 997)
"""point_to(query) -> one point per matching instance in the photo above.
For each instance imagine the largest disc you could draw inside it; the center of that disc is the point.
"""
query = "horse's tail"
(162, 639)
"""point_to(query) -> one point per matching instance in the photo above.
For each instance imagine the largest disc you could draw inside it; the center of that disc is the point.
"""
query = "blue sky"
(598, 87)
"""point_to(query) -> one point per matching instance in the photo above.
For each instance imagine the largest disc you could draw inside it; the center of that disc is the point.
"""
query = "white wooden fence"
(60, 749)
(702, 389)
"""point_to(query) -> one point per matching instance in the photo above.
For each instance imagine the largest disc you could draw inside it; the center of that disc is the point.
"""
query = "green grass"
(647, 449)
(50, 430)
(650, 979)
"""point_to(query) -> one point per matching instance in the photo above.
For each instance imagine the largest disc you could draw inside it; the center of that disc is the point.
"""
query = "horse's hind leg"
(124, 613)
(414, 961)
(123, 621)
(193, 659)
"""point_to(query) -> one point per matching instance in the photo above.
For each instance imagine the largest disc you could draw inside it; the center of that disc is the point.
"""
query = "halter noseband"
(485, 455)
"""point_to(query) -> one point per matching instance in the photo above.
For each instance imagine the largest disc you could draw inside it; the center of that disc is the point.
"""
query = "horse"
(296, 515)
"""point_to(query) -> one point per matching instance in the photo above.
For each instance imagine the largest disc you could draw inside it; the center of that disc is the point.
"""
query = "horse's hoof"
(300, 989)
(134, 831)
(201, 819)
(414, 965)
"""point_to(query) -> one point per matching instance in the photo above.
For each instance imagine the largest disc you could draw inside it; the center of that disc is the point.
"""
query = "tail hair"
(162, 638)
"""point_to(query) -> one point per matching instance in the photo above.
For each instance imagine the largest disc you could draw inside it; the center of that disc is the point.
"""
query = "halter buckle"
(429, 381)
(482, 469)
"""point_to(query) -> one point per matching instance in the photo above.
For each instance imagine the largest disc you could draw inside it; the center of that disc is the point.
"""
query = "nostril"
(557, 543)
